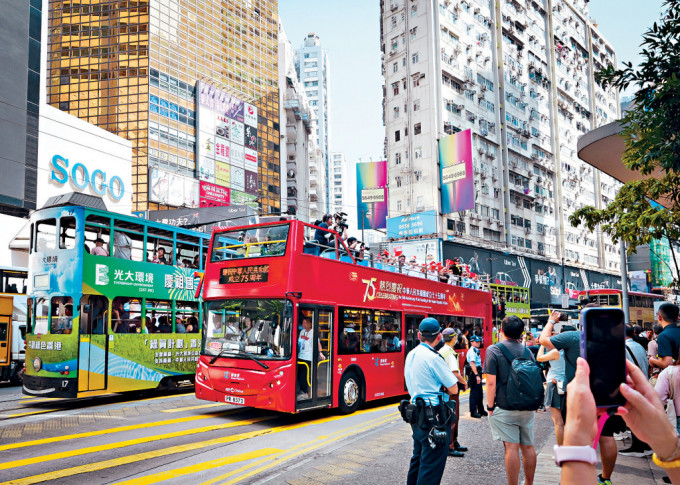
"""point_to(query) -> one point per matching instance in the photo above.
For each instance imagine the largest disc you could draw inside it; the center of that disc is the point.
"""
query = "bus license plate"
(234, 400)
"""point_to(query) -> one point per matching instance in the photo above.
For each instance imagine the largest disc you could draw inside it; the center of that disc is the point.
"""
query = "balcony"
(291, 133)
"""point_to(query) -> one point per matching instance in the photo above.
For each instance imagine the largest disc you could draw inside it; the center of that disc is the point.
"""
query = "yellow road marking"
(208, 465)
(190, 408)
(55, 439)
(283, 456)
(166, 451)
(25, 399)
(122, 444)
(18, 415)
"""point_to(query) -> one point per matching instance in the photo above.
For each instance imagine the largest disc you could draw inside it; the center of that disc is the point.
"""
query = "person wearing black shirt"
(320, 236)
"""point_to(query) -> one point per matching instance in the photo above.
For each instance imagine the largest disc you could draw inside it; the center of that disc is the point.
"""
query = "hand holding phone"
(603, 345)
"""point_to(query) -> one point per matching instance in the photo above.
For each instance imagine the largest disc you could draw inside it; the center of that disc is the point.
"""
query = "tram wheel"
(350, 393)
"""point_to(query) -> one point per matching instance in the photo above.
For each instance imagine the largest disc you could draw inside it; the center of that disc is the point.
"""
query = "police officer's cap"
(429, 327)
(475, 338)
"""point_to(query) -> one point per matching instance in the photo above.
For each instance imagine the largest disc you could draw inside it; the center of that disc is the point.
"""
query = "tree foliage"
(651, 130)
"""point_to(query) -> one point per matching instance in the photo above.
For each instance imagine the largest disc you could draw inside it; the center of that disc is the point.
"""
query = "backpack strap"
(632, 355)
(507, 354)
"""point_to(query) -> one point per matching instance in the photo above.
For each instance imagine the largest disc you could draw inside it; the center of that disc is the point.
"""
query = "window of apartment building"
(416, 129)
(491, 235)
(395, 43)
(496, 193)
(474, 231)
(397, 137)
(414, 58)
(418, 153)
(395, 88)
(396, 112)
(398, 181)
(395, 67)
(419, 202)
(414, 10)
(398, 205)
(413, 33)
(403, 63)
(394, 21)
(397, 158)
(460, 226)
(419, 175)
(416, 105)
(485, 189)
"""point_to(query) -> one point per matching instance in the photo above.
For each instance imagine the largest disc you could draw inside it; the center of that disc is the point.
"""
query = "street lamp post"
(364, 213)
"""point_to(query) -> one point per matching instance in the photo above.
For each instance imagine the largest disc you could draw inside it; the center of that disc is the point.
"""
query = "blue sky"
(350, 32)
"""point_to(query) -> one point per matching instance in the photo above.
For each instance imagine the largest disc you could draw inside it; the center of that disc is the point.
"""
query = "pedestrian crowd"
(525, 374)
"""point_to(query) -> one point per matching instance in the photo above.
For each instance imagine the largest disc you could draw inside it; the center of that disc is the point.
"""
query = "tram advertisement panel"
(114, 277)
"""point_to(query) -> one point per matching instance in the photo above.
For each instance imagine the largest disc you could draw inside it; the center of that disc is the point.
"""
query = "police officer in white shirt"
(429, 382)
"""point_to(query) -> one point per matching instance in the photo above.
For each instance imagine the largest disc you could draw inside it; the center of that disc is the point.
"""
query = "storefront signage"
(81, 178)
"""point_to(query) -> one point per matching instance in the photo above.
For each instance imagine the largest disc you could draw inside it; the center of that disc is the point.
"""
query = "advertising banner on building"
(417, 224)
(227, 139)
(457, 176)
(424, 250)
(203, 219)
(169, 188)
(372, 195)
(212, 195)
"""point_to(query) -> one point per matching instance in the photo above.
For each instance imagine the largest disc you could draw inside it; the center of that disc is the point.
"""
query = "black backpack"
(525, 385)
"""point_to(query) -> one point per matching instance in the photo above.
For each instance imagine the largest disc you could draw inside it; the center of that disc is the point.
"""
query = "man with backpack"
(514, 391)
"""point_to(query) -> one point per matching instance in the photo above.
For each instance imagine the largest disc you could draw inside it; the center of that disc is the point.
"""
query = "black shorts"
(615, 424)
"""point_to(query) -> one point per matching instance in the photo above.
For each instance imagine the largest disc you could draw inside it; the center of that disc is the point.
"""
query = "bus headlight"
(37, 364)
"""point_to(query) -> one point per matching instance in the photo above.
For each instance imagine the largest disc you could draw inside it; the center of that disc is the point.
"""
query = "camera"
(364, 247)
(340, 221)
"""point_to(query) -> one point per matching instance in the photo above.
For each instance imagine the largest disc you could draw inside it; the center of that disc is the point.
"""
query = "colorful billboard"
(457, 176)
(227, 141)
(372, 195)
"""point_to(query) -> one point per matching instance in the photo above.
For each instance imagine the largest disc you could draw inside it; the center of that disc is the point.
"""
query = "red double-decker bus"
(293, 320)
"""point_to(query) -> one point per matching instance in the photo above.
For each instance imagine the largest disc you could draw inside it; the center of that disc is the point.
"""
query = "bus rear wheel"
(350, 393)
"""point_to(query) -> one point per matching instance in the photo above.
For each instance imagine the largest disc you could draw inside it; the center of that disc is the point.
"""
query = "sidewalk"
(628, 470)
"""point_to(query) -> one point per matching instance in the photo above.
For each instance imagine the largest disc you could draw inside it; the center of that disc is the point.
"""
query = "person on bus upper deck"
(161, 256)
(98, 249)
(122, 245)
(320, 236)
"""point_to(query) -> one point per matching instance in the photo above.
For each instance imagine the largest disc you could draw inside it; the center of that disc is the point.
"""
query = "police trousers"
(427, 463)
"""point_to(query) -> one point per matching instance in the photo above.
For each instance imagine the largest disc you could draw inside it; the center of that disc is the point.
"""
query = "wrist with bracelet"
(673, 461)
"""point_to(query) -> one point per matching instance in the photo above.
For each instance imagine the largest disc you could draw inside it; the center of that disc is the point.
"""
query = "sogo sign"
(81, 178)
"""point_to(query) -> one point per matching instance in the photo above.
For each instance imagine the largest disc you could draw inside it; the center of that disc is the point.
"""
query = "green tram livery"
(111, 303)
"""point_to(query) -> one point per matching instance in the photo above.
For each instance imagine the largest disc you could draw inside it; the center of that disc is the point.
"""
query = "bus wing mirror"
(86, 309)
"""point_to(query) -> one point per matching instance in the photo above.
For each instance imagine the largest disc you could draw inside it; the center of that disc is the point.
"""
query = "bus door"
(314, 372)
(6, 308)
(412, 324)
(93, 355)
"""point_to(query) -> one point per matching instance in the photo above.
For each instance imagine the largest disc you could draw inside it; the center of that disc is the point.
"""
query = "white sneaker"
(619, 436)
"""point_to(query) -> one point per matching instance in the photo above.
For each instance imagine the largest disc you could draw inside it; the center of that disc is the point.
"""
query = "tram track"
(160, 446)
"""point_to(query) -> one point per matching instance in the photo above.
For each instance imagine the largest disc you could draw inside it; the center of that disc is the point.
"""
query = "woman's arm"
(554, 354)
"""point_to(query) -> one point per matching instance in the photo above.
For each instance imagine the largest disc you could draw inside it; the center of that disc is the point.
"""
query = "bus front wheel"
(350, 392)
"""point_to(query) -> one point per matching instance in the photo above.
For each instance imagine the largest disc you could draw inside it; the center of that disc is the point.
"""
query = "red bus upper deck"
(292, 322)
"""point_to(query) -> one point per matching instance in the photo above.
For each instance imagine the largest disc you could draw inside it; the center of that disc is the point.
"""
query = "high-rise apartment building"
(520, 75)
(131, 67)
(338, 184)
(305, 183)
(20, 26)
(314, 74)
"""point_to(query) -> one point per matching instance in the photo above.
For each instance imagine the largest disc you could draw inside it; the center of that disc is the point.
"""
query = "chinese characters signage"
(245, 274)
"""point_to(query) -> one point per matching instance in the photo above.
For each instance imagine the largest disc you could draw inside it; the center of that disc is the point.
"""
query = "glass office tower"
(131, 67)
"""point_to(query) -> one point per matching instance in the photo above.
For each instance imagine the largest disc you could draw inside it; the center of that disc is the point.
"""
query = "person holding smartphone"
(643, 413)
(570, 342)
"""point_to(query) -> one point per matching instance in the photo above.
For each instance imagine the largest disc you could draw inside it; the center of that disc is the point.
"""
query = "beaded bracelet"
(673, 461)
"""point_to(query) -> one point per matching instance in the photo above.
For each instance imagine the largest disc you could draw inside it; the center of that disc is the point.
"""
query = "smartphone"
(603, 345)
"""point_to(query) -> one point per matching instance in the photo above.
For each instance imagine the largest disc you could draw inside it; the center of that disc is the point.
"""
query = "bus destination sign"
(245, 274)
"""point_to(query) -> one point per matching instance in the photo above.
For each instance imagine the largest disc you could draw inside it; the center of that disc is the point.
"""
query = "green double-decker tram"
(111, 303)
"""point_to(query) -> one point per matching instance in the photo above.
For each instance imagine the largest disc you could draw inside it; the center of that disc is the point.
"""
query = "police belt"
(426, 416)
